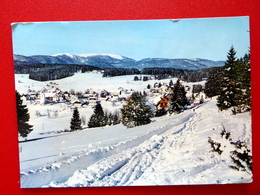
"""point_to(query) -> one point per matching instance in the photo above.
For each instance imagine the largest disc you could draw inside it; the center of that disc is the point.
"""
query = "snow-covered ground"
(172, 150)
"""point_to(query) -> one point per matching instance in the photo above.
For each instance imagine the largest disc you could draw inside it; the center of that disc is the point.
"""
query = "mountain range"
(115, 61)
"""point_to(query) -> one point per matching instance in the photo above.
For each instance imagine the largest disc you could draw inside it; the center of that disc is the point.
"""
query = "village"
(51, 94)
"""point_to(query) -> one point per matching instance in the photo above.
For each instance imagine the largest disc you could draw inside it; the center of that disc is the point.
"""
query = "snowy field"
(172, 150)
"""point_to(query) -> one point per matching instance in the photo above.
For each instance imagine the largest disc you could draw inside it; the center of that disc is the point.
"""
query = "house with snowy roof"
(49, 97)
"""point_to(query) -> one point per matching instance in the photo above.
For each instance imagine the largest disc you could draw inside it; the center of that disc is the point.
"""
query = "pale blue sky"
(209, 38)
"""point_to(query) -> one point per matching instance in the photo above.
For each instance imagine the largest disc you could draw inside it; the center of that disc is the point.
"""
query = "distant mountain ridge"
(116, 61)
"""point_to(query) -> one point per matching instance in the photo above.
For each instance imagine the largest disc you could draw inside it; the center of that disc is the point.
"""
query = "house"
(92, 100)
(49, 97)
(31, 96)
(77, 104)
(53, 97)
(104, 93)
(196, 102)
(153, 90)
(66, 95)
(74, 98)
(163, 103)
(114, 94)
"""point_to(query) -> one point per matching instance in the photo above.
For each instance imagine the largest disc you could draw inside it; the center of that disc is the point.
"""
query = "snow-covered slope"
(172, 150)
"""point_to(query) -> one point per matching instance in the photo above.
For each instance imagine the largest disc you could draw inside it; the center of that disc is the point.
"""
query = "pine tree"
(243, 87)
(228, 84)
(247, 82)
(145, 78)
(98, 119)
(136, 112)
(235, 86)
(136, 78)
(178, 98)
(23, 117)
(196, 88)
(75, 123)
(170, 83)
(213, 84)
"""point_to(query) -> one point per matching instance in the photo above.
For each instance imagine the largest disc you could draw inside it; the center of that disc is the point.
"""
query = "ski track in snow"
(143, 158)
(127, 155)
(124, 168)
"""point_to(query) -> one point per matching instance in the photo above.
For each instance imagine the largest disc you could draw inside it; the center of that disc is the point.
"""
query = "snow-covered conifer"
(23, 117)
(170, 83)
(136, 112)
(228, 83)
(213, 84)
(98, 119)
(235, 86)
(75, 123)
(178, 98)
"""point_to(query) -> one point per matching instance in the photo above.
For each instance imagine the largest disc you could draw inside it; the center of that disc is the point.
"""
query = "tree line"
(111, 72)
(47, 72)
(160, 73)
(186, 75)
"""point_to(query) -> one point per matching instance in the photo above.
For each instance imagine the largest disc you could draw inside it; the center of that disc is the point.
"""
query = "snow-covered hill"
(116, 61)
(172, 150)
(98, 60)
(187, 64)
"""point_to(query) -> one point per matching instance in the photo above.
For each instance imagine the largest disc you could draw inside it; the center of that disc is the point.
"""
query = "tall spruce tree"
(213, 84)
(235, 85)
(23, 117)
(98, 119)
(170, 83)
(228, 84)
(243, 86)
(75, 123)
(178, 98)
(136, 112)
(247, 82)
